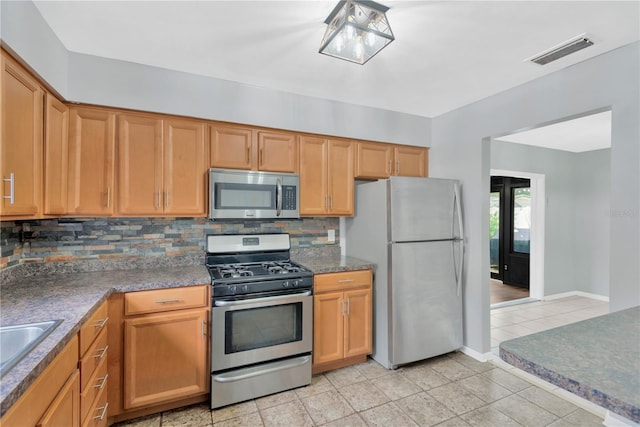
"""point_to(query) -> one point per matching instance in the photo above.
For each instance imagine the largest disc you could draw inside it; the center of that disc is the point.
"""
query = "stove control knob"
(244, 289)
(285, 284)
(295, 283)
(232, 290)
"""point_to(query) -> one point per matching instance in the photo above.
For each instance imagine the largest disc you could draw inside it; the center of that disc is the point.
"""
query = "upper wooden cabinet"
(411, 161)
(231, 147)
(373, 160)
(162, 166)
(21, 142)
(92, 141)
(326, 176)
(277, 152)
(235, 147)
(56, 156)
(377, 160)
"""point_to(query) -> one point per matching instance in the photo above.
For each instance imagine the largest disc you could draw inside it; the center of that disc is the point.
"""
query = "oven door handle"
(279, 299)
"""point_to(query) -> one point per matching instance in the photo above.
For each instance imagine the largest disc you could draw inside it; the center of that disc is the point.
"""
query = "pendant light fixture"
(356, 31)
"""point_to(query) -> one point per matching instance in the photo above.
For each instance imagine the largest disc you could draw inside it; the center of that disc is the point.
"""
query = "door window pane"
(494, 231)
(521, 219)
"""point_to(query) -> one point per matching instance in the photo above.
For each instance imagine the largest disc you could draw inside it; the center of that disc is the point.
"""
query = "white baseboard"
(574, 294)
(480, 357)
(615, 420)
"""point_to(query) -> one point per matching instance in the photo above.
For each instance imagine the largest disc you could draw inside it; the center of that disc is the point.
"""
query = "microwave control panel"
(289, 202)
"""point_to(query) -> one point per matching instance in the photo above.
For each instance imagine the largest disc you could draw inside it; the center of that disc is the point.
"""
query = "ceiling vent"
(566, 48)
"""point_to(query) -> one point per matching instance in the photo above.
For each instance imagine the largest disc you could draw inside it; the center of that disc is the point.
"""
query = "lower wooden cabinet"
(53, 398)
(165, 357)
(342, 319)
(158, 350)
(65, 408)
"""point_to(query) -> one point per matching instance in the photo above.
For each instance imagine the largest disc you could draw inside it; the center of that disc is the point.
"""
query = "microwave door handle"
(278, 197)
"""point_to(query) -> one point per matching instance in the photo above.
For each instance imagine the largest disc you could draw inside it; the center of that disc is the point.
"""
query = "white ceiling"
(586, 133)
(446, 54)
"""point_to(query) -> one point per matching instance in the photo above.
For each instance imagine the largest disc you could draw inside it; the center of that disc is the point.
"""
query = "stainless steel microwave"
(236, 194)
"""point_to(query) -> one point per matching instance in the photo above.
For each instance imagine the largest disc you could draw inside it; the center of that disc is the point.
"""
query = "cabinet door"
(313, 176)
(140, 187)
(373, 160)
(56, 156)
(231, 147)
(65, 409)
(20, 141)
(328, 327)
(411, 161)
(91, 161)
(165, 357)
(340, 174)
(185, 167)
(277, 152)
(357, 328)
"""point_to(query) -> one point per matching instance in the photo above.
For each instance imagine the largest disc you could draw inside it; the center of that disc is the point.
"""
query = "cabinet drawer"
(165, 300)
(341, 281)
(97, 416)
(92, 327)
(97, 382)
(92, 359)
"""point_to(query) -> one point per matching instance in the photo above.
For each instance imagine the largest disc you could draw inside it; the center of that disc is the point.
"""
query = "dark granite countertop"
(334, 264)
(72, 297)
(597, 359)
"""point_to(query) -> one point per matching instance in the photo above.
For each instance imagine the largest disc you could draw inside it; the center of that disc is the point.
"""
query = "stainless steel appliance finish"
(418, 247)
(236, 194)
(261, 317)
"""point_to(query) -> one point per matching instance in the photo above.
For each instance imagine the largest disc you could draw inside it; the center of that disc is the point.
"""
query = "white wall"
(576, 253)
(592, 178)
(461, 149)
(24, 31)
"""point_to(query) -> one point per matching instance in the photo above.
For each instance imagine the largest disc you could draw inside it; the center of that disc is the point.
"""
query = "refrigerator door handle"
(456, 197)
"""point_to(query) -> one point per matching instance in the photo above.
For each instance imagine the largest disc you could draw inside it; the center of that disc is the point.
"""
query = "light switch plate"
(331, 236)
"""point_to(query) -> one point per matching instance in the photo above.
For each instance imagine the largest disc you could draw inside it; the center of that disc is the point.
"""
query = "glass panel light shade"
(356, 31)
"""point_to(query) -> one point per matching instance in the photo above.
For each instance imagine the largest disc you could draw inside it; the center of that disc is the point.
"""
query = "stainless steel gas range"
(261, 317)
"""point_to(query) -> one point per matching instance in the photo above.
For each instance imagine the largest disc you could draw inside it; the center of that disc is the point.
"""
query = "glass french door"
(510, 230)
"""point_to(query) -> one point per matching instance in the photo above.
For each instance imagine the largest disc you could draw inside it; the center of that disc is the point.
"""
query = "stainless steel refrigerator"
(412, 229)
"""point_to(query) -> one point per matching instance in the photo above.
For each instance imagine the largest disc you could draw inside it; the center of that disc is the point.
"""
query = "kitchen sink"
(18, 340)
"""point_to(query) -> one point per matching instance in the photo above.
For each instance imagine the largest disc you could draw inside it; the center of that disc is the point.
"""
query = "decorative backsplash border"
(113, 240)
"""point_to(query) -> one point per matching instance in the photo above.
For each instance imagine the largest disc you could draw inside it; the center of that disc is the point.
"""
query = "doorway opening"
(510, 238)
(518, 197)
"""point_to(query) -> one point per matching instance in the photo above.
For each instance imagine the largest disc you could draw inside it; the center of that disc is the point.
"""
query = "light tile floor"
(446, 391)
(452, 390)
(514, 321)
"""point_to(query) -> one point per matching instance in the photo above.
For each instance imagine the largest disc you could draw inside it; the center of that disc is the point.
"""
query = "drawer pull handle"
(101, 352)
(168, 301)
(103, 381)
(104, 412)
(100, 323)
(346, 281)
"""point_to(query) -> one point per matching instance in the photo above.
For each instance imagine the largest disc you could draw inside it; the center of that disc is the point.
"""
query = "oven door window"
(262, 327)
(245, 196)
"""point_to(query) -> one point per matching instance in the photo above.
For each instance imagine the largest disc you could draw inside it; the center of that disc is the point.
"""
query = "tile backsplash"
(66, 239)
